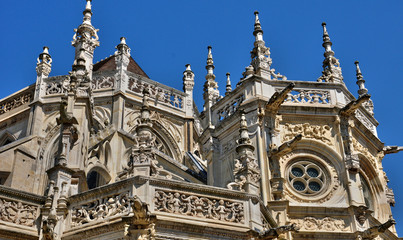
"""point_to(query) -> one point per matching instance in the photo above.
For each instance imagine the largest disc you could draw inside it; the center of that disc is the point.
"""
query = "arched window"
(95, 179)
(369, 200)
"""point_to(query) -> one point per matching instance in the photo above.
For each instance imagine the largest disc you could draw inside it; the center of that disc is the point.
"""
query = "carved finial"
(87, 13)
(44, 62)
(209, 57)
(211, 93)
(326, 37)
(360, 80)
(86, 37)
(188, 79)
(228, 87)
(258, 27)
(122, 47)
(331, 66)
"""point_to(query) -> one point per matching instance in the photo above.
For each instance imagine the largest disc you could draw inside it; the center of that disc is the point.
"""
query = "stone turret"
(188, 84)
(43, 68)
(122, 60)
(331, 66)
(86, 38)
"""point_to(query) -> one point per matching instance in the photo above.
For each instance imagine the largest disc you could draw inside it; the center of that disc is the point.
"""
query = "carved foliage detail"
(308, 96)
(324, 224)
(197, 206)
(18, 212)
(102, 82)
(319, 132)
(101, 209)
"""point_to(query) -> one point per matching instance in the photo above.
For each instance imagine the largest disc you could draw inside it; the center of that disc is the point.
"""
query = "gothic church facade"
(104, 152)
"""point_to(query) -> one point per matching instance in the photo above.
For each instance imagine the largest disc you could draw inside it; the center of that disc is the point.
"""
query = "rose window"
(306, 177)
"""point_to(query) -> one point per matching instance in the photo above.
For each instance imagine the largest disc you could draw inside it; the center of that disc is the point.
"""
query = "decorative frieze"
(100, 209)
(18, 212)
(318, 132)
(308, 96)
(327, 224)
(199, 206)
(102, 82)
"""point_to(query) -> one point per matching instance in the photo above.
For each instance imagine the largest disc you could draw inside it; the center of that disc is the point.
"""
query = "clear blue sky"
(165, 35)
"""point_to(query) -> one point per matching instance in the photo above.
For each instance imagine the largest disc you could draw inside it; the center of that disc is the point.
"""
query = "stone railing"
(100, 209)
(20, 98)
(56, 85)
(191, 204)
(161, 94)
(228, 107)
(102, 82)
(307, 96)
(173, 199)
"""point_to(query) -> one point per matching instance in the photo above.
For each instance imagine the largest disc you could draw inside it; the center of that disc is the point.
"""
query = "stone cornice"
(21, 195)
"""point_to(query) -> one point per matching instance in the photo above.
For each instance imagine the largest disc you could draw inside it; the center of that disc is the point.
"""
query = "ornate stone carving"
(99, 209)
(364, 120)
(358, 148)
(322, 133)
(198, 206)
(15, 101)
(328, 224)
(18, 212)
(333, 178)
(247, 169)
(308, 96)
(230, 108)
(102, 82)
(158, 93)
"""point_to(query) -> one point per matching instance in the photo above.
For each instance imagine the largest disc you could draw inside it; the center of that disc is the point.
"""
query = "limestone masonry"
(104, 152)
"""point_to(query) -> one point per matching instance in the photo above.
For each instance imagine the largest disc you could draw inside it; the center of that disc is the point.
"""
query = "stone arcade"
(104, 152)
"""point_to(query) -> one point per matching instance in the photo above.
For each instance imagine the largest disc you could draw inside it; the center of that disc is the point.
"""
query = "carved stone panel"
(18, 212)
(318, 132)
(198, 206)
(327, 224)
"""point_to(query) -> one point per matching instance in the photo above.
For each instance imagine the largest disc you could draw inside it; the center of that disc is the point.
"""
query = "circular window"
(307, 177)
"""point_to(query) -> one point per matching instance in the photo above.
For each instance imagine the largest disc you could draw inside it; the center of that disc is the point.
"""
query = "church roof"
(109, 64)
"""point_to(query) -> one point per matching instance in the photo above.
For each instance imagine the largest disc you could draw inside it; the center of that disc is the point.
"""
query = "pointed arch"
(7, 138)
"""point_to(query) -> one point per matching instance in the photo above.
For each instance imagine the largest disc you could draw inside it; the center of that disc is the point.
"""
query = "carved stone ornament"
(198, 206)
(359, 148)
(308, 96)
(18, 212)
(332, 182)
(122, 204)
(328, 224)
(322, 133)
(15, 101)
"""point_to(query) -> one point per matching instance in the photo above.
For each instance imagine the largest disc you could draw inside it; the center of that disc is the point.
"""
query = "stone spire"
(228, 87)
(44, 63)
(331, 66)
(43, 68)
(368, 105)
(122, 48)
(360, 80)
(86, 37)
(211, 93)
(261, 60)
(188, 84)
